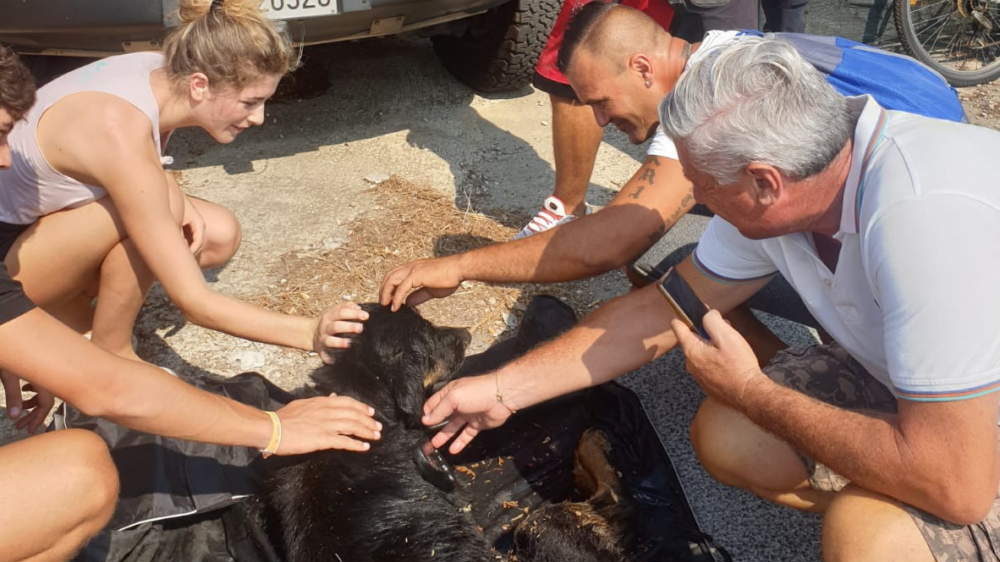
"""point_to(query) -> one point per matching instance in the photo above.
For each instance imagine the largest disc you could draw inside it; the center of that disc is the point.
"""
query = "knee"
(711, 442)
(737, 452)
(92, 475)
(860, 525)
(224, 236)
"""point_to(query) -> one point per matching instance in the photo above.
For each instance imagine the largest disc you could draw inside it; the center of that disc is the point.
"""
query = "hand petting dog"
(470, 405)
(338, 321)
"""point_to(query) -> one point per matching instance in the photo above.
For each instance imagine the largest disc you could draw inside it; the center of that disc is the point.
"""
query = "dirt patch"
(408, 222)
(982, 104)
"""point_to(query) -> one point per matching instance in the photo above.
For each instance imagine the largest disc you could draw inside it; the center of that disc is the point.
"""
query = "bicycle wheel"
(958, 38)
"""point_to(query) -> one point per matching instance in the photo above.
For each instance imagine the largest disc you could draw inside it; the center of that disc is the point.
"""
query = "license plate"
(297, 9)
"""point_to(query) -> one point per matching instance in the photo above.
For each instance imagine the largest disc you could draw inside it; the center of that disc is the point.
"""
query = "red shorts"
(548, 78)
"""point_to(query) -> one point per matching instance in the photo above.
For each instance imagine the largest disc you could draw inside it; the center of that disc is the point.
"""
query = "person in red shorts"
(575, 135)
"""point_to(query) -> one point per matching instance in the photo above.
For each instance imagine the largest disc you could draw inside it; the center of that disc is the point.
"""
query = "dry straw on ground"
(408, 222)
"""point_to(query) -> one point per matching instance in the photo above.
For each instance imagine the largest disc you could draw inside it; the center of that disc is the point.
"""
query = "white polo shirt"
(916, 293)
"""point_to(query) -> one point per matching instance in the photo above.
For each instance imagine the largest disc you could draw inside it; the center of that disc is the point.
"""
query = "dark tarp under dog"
(194, 502)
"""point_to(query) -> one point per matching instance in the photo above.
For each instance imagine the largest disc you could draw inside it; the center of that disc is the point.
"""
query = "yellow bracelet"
(275, 442)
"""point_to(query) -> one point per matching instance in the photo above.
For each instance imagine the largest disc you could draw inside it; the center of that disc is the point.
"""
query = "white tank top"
(31, 188)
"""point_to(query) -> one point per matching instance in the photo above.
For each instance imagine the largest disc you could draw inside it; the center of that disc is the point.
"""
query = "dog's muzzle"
(431, 464)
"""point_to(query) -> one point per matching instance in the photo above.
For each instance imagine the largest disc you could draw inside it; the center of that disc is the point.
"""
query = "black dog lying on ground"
(337, 505)
(346, 506)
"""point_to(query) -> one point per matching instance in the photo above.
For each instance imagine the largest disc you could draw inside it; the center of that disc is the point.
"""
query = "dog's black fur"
(374, 506)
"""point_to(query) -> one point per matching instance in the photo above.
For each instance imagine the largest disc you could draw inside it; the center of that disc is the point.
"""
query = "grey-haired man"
(891, 431)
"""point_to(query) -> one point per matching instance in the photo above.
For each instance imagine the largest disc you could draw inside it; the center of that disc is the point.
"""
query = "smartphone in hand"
(686, 305)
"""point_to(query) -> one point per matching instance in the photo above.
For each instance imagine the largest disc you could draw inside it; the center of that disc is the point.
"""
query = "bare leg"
(125, 278)
(223, 234)
(858, 525)
(59, 489)
(763, 341)
(124, 282)
(67, 257)
(575, 140)
(863, 526)
(737, 452)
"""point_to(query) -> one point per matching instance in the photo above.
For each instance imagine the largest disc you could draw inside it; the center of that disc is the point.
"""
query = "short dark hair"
(579, 27)
(17, 87)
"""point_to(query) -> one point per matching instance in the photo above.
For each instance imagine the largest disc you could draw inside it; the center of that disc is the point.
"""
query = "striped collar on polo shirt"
(868, 134)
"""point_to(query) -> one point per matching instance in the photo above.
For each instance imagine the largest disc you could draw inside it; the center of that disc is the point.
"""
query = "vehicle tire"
(498, 50)
(958, 38)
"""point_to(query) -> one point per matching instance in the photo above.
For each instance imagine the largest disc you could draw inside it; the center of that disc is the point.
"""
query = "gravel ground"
(297, 184)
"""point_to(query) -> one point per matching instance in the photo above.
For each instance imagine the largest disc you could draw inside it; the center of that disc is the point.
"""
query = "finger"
(12, 390)
(195, 245)
(336, 342)
(389, 284)
(351, 420)
(347, 444)
(463, 439)
(326, 357)
(447, 432)
(357, 428)
(419, 296)
(685, 337)
(351, 311)
(716, 326)
(348, 403)
(199, 237)
(403, 291)
(345, 327)
(437, 409)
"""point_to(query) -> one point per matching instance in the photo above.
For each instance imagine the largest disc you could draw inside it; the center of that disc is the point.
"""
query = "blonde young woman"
(92, 212)
(60, 488)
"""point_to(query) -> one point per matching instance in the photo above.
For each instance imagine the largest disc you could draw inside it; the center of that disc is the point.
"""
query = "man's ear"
(769, 184)
(640, 63)
(198, 86)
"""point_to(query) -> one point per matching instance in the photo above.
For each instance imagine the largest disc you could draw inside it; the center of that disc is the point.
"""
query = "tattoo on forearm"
(686, 203)
(648, 175)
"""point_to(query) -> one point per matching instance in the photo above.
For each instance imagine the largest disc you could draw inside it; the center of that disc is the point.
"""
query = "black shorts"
(13, 301)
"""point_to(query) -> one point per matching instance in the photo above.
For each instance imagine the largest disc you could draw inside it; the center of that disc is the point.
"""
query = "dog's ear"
(449, 352)
(408, 391)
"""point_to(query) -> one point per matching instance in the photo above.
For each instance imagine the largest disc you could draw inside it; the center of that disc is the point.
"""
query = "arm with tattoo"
(655, 198)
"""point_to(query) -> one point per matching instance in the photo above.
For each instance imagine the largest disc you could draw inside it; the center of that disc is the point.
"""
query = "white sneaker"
(551, 215)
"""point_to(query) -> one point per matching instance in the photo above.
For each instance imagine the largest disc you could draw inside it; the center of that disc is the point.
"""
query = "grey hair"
(756, 100)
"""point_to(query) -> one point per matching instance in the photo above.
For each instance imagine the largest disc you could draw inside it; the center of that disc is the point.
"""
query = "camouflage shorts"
(830, 374)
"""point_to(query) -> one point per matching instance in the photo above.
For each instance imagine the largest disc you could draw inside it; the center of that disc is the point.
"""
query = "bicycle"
(960, 39)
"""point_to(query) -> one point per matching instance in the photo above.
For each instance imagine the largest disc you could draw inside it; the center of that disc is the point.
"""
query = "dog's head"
(394, 363)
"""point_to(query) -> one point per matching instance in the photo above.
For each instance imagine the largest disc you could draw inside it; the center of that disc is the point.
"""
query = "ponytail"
(230, 41)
